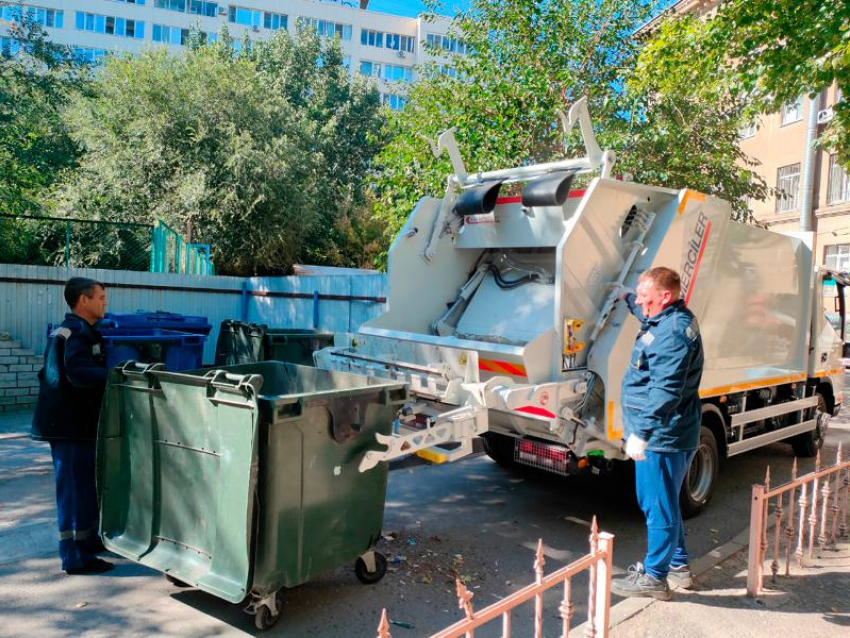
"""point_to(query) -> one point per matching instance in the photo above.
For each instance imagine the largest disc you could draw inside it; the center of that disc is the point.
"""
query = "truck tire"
(500, 448)
(807, 444)
(699, 482)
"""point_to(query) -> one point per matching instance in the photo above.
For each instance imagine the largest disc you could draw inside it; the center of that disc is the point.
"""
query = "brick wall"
(18, 375)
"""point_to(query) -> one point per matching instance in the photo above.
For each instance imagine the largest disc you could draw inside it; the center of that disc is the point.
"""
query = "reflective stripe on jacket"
(660, 391)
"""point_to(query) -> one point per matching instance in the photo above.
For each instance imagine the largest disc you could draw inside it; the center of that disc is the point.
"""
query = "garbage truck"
(503, 319)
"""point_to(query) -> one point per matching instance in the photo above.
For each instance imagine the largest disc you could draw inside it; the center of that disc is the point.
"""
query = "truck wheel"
(500, 448)
(698, 485)
(370, 578)
(807, 444)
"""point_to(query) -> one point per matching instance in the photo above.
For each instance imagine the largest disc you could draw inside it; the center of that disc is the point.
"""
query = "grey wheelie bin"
(244, 481)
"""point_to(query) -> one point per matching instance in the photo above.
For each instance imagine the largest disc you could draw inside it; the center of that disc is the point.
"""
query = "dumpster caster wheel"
(176, 581)
(361, 570)
(264, 618)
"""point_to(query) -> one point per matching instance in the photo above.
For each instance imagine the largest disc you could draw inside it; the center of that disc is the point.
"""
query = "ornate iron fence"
(819, 517)
(598, 565)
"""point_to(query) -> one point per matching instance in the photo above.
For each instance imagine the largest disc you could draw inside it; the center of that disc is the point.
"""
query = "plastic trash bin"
(239, 342)
(159, 319)
(295, 345)
(244, 481)
(177, 350)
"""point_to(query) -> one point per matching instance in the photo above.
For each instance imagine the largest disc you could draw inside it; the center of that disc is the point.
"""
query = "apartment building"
(385, 47)
(779, 142)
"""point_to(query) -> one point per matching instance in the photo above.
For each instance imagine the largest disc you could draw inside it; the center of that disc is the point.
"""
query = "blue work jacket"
(660, 392)
(72, 383)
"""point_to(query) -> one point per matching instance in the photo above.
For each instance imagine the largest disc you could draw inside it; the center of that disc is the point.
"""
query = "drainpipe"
(807, 186)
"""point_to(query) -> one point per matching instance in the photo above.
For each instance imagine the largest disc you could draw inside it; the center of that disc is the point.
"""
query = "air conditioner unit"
(255, 29)
(222, 10)
(400, 53)
(825, 115)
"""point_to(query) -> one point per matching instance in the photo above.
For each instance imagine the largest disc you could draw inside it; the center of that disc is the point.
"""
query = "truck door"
(829, 324)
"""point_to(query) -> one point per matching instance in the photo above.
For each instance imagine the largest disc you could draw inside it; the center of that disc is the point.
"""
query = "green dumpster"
(243, 481)
(240, 342)
(295, 345)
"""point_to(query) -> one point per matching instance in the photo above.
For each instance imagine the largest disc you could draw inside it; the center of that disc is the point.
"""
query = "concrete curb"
(631, 607)
(13, 435)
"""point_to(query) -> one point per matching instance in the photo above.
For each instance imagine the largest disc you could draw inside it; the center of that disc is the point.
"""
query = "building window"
(53, 18)
(131, 1)
(788, 185)
(110, 25)
(89, 55)
(837, 257)
(326, 28)
(792, 111)
(171, 5)
(839, 186)
(446, 43)
(274, 21)
(201, 8)
(248, 17)
(387, 72)
(394, 41)
(747, 130)
(395, 102)
(9, 47)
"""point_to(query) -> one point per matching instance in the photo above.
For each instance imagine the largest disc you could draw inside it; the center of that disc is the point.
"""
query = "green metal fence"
(83, 243)
(172, 254)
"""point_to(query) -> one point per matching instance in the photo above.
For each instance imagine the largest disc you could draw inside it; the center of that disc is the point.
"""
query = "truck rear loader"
(503, 320)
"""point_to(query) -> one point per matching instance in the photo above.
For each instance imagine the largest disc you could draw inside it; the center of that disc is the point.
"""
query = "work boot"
(638, 584)
(680, 576)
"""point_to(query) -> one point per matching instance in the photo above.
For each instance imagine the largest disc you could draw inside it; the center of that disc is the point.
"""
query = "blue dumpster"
(159, 319)
(177, 350)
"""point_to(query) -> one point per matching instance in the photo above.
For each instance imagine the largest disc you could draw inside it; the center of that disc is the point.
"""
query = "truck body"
(502, 317)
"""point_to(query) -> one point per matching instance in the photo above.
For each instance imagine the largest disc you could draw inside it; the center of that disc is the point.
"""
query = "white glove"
(635, 448)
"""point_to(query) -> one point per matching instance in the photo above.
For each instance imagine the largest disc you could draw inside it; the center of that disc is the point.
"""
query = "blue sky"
(408, 7)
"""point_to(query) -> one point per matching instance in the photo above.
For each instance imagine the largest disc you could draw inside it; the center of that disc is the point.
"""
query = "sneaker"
(638, 584)
(681, 576)
(96, 566)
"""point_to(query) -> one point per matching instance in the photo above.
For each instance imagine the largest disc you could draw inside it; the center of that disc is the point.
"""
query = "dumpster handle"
(236, 404)
(134, 367)
(138, 388)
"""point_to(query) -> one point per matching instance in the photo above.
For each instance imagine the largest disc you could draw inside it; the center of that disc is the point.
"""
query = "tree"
(251, 147)
(528, 58)
(763, 52)
(37, 79)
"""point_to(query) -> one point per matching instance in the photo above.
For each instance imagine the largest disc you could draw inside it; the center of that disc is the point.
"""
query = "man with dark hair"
(661, 416)
(73, 380)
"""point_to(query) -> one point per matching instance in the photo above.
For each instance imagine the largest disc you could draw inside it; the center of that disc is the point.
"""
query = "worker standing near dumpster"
(661, 412)
(72, 384)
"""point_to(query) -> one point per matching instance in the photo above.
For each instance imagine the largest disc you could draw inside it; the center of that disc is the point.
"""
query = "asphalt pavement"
(471, 518)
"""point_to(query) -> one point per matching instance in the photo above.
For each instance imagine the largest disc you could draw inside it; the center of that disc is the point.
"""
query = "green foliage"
(37, 79)
(529, 58)
(761, 53)
(257, 149)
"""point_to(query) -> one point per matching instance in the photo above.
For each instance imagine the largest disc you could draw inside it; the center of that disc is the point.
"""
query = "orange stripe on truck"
(502, 367)
(690, 194)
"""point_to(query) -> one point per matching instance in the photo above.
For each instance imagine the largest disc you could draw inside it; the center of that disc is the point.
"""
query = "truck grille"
(543, 456)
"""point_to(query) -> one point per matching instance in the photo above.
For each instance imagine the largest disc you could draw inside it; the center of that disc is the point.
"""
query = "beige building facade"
(778, 141)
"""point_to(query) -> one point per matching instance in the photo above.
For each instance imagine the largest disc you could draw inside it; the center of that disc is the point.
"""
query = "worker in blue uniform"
(72, 384)
(661, 417)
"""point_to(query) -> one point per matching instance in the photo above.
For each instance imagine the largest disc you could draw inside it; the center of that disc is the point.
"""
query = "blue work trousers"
(658, 479)
(76, 501)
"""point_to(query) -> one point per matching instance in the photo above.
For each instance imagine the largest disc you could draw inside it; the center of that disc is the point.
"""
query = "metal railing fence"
(597, 563)
(818, 517)
(85, 243)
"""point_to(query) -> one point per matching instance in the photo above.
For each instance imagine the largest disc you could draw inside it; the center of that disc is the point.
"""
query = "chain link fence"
(80, 243)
